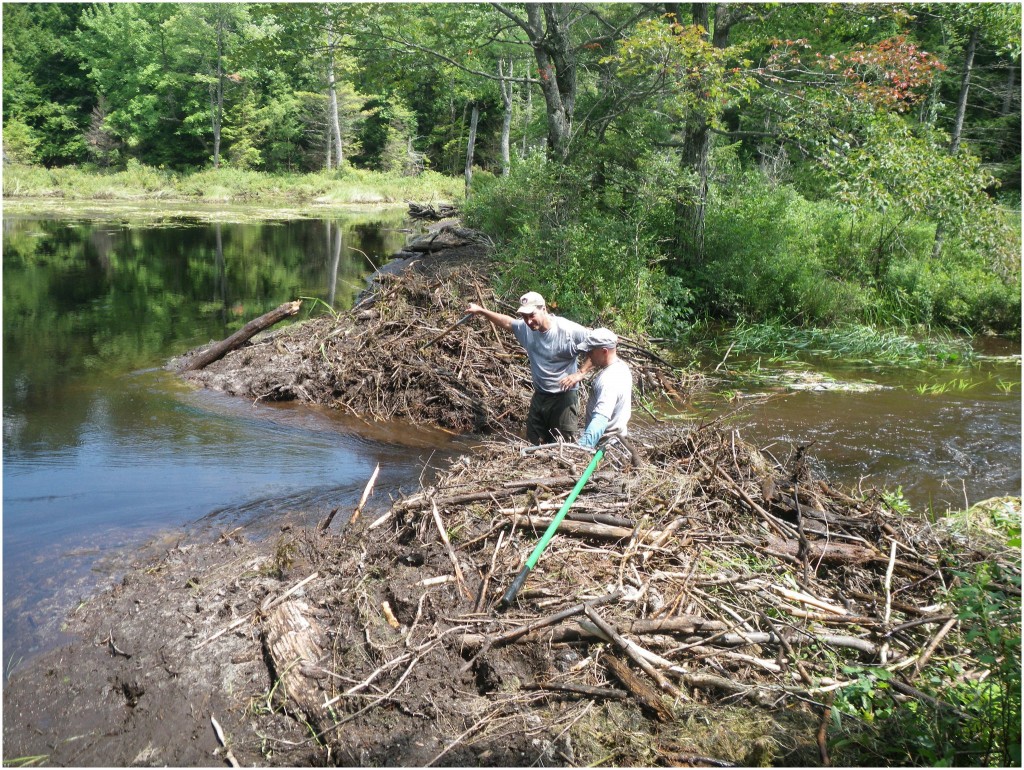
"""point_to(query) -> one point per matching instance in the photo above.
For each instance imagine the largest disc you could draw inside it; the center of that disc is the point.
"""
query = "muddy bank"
(685, 614)
(701, 608)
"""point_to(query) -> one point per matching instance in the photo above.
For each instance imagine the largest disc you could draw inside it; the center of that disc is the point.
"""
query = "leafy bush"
(20, 143)
(592, 265)
(772, 254)
(968, 297)
(767, 257)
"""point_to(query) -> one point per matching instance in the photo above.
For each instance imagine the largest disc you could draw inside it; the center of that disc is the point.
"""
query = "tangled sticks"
(389, 358)
(708, 576)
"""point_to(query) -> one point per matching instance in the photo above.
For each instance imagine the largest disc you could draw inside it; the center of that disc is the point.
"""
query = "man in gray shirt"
(553, 345)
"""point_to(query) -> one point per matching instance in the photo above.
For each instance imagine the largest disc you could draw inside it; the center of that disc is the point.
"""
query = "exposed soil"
(696, 609)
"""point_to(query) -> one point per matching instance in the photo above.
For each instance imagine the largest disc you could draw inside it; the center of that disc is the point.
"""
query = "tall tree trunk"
(965, 85)
(335, 121)
(958, 122)
(527, 118)
(471, 146)
(547, 28)
(506, 123)
(691, 202)
(217, 94)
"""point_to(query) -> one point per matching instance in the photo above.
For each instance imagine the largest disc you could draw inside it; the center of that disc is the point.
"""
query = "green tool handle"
(531, 562)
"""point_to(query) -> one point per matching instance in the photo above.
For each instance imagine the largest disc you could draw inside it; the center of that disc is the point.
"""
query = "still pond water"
(105, 452)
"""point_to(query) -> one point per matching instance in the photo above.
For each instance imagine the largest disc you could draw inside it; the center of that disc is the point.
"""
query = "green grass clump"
(850, 342)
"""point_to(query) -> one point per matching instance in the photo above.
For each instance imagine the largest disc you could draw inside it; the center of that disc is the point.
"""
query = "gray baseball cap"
(601, 338)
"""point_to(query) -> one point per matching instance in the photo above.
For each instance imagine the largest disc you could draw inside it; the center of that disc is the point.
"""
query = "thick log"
(220, 349)
(290, 640)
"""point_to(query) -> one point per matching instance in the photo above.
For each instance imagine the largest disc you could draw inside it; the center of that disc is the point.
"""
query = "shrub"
(20, 144)
(594, 266)
(767, 257)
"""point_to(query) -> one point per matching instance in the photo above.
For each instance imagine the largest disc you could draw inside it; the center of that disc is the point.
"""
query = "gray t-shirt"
(552, 353)
(611, 396)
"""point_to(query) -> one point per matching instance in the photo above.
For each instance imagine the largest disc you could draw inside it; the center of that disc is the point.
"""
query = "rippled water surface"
(942, 449)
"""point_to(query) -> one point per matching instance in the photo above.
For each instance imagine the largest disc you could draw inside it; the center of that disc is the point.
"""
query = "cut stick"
(451, 551)
(648, 697)
(927, 653)
(629, 648)
(366, 495)
(578, 689)
(223, 741)
(813, 601)
(884, 653)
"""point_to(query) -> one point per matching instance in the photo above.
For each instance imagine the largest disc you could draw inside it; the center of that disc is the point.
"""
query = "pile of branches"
(707, 576)
(431, 213)
(401, 353)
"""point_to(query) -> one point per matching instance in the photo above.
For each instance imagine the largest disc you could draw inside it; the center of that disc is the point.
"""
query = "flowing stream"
(105, 453)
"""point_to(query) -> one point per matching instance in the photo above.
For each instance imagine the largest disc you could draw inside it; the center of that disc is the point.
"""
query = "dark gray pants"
(553, 416)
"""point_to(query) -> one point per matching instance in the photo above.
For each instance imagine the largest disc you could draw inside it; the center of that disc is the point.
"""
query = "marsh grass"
(854, 343)
(37, 761)
(960, 385)
(227, 185)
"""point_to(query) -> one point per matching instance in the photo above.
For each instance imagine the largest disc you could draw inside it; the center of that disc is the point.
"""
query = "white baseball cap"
(530, 302)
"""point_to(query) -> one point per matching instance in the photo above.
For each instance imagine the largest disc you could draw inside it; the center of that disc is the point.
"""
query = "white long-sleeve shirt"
(611, 396)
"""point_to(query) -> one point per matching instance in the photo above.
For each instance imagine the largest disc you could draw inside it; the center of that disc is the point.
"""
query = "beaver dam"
(707, 606)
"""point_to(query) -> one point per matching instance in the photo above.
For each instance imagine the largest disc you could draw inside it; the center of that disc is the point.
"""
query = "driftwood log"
(220, 349)
(290, 640)
(431, 213)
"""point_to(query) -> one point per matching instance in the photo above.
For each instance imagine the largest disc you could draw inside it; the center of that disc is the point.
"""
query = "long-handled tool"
(461, 321)
(531, 562)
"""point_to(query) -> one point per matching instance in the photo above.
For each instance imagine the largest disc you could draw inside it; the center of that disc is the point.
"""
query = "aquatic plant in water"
(852, 342)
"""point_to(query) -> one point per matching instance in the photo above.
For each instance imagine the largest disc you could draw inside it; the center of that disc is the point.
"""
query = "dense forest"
(650, 165)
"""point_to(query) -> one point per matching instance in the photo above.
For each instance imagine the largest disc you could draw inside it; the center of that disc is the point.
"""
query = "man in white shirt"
(611, 394)
(553, 346)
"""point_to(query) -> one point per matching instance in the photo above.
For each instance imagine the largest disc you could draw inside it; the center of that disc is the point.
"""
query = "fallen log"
(290, 640)
(220, 349)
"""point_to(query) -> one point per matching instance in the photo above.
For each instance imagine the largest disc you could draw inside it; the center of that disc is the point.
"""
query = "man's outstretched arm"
(498, 319)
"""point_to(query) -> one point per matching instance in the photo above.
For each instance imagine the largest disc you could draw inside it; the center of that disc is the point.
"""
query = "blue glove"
(594, 431)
